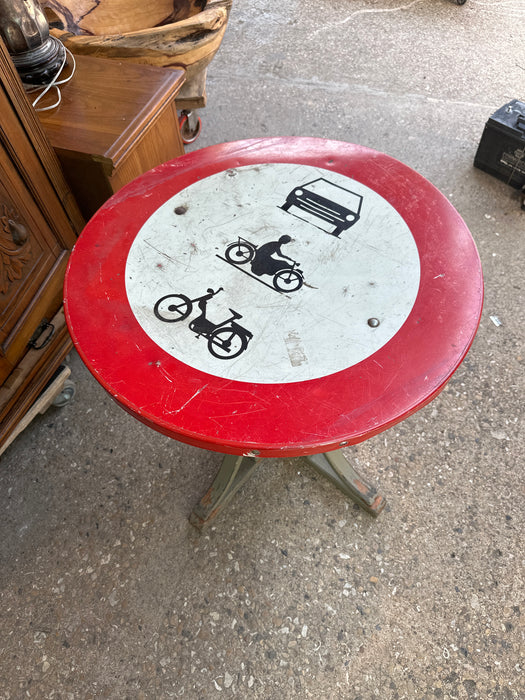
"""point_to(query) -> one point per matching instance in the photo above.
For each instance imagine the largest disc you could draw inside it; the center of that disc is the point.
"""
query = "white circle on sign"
(207, 281)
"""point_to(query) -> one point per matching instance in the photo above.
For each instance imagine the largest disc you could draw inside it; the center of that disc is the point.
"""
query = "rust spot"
(362, 488)
(378, 505)
(206, 500)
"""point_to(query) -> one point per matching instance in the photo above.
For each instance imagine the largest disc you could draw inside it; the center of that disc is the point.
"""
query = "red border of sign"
(275, 420)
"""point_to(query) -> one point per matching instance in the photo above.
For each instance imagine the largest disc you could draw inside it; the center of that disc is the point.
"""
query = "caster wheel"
(190, 126)
(65, 396)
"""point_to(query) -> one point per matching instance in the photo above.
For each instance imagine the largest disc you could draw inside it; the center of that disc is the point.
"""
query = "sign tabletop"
(279, 297)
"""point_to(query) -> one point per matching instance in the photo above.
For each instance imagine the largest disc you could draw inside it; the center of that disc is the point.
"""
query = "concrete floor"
(108, 592)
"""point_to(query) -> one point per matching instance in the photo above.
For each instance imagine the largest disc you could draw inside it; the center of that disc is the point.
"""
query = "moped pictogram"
(226, 340)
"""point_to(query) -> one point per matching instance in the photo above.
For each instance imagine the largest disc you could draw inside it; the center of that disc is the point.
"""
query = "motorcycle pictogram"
(287, 277)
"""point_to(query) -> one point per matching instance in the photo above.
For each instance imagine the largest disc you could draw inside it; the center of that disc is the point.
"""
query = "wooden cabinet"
(32, 265)
(39, 222)
(115, 121)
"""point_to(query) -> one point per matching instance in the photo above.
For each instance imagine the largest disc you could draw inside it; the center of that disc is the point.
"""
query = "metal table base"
(235, 471)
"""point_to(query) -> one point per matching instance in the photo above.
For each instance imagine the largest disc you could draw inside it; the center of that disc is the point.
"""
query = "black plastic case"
(501, 151)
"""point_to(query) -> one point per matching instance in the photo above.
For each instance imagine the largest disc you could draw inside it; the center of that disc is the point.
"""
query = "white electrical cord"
(55, 82)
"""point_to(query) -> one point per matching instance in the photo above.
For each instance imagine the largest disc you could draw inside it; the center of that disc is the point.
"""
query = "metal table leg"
(334, 466)
(234, 471)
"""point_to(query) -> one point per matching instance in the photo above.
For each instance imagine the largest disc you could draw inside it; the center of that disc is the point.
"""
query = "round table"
(276, 297)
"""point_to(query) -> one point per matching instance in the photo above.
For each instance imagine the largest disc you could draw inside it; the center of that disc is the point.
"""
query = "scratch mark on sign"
(190, 399)
(165, 255)
(165, 374)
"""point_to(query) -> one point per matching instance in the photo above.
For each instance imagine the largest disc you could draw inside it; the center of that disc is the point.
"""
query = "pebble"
(228, 679)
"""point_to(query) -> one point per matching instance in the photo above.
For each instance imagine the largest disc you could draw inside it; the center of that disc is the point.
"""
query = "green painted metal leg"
(231, 476)
(334, 466)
